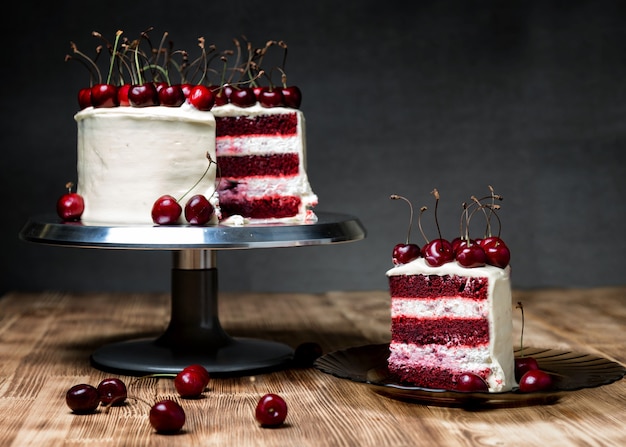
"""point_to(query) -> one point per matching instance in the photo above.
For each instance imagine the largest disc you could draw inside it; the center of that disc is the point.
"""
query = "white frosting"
(454, 307)
(499, 307)
(128, 157)
(259, 186)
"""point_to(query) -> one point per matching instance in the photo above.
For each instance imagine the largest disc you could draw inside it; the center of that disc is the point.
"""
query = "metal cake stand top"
(330, 228)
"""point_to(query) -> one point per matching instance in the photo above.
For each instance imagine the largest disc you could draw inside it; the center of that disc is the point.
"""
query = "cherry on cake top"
(466, 251)
(142, 74)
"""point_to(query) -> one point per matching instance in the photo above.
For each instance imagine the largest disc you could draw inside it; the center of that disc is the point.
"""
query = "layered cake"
(450, 320)
(261, 154)
(144, 145)
(129, 156)
(451, 309)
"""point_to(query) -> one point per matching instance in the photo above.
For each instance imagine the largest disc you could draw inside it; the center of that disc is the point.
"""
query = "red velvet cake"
(450, 320)
(261, 157)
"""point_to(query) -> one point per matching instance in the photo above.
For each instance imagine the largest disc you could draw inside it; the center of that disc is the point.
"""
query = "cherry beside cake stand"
(194, 333)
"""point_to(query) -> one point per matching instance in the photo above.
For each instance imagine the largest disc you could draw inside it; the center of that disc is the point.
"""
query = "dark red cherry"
(166, 210)
(535, 380)
(201, 370)
(189, 383)
(438, 252)
(186, 88)
(171, 96)
(292, 96)
(470, 255)
(497, 252)
(271, 97)
(523, 365)
(84, 98)
(243, 97)
(144, 95)
(271, 410)
(167, 416)
(104, 95)
(201, 97)
(469, 382)
(160, 85)
(405, 253)
(222, 94)
(122, 95)
(70, 206)
(112, 391)
(198, 210)
(82, 398)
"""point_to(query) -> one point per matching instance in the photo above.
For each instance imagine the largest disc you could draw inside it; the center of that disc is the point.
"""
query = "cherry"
(201, 370)
(189, 383)
(222, 95)
(243, 97)
(186, 88)
(143, 95)
(104, 95)
(166, 210)
(84, 98)
(201, 97)
(82, 398)
(171, 95)
(438, 252)
(468, 382)
(306, 353)
(122, 95)
(70, 205)
(160, 85)
(470, 255)
(405, 253)
(523, 365)
(292, 96)
(270, 97)
(498, 254)
(112, 391)
(198, 210)
(271, 410)
(167, 416)
(535, 380)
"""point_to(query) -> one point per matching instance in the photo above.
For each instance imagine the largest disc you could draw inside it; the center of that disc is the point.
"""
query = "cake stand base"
(242, 356)
(194, 334)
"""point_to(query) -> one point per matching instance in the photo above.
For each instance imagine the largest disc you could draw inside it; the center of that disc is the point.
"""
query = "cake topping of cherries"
(140, 74)
(466, 251)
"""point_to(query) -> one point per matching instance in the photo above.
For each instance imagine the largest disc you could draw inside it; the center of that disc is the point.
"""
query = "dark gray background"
(400, 97)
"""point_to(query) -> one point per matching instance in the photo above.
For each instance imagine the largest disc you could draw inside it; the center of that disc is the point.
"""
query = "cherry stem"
(397, 197)
(117, 40)
(419, 223)
(436, 194)
(69, 186)
(521, 340)
(211, 161)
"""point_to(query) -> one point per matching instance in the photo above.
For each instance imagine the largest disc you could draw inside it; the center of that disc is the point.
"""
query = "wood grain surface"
(46, 340)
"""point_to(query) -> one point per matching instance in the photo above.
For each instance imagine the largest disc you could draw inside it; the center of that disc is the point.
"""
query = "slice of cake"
(129, 156)
(450, 320)
(261, 154)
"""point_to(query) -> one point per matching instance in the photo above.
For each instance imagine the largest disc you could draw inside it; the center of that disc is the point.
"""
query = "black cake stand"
(194, 333)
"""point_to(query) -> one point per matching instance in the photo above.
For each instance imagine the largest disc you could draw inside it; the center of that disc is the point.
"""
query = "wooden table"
(46, 340)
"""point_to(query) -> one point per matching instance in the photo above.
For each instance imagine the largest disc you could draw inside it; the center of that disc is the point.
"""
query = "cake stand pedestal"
(194, 333)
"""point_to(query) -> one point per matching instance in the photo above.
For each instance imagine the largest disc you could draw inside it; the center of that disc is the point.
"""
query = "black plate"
(571, 370)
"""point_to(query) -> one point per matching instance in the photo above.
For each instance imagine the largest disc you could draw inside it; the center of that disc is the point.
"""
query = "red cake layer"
(431, 377)
(274, 165)
(259, 208)
(271, 124)
(441, 331)
(435, 286)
